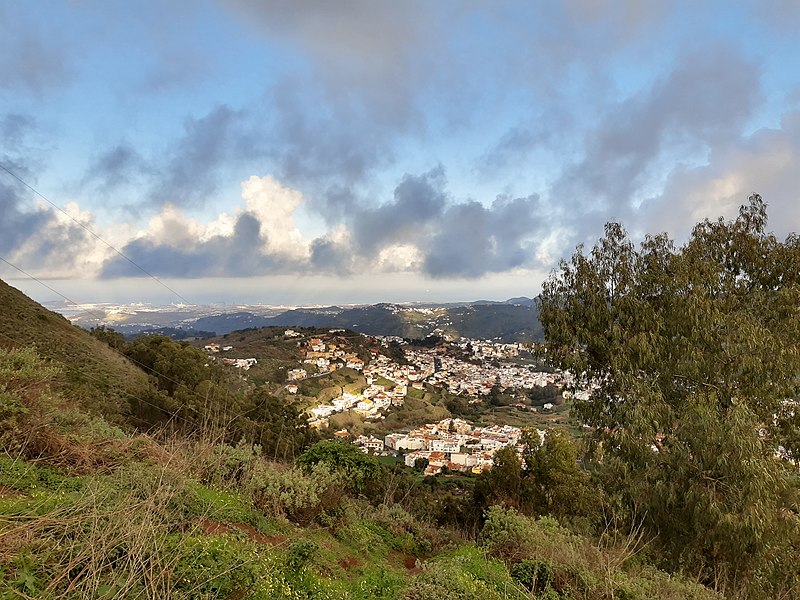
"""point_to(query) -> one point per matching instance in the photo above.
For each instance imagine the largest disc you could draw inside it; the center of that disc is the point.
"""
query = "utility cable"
(92, 233)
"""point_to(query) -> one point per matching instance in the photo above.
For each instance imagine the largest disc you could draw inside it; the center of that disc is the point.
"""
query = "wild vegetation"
(191, 483)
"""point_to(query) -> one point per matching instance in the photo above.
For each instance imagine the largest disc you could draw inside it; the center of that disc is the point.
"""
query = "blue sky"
(360, 151)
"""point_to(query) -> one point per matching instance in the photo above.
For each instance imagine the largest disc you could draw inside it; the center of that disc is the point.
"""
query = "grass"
(93, 375)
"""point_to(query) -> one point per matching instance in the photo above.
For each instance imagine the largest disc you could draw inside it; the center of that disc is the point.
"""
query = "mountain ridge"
(514, 320)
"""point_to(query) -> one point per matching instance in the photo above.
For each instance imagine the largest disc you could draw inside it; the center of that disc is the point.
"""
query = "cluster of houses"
(215, 348)
(432, 366)
(451, 443)
(406, 375)
(369, 404)
(324, 357)
(240, 363)
(476, 380)
(376, 398)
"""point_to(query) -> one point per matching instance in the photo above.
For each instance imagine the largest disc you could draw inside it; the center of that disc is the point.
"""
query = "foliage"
(109, 336)
(694, 351)
(302, 496)
(547, 480)
(466, 575)
(358, 470)
(553, 562)
(275, 424)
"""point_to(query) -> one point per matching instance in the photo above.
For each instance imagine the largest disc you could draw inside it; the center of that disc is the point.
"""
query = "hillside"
(507, 322)
(94, 375)
(89, 510)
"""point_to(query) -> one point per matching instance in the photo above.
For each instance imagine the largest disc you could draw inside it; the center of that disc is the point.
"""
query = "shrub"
(229, 466)
(466, 575)
(506, 534)
(536, 575)
(300, 496)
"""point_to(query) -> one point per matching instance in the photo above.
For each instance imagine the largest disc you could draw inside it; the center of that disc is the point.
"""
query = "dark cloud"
(14, 128)
(376, 48)
(331, 256)
(116, 166)
(513, 145)
(25, 230)
(237, 255)
(315, 138)
(16, 224)
(191, 169)
(29, 58)
(519, 141)
(418, 201)
(33, 238)
(782, 16)
(474, 240)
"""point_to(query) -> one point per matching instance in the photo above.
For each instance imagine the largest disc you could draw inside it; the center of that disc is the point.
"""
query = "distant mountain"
(515, 319)
(502, 321)
(521, 301)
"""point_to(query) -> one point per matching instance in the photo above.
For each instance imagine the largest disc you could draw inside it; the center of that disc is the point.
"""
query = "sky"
(313, 152)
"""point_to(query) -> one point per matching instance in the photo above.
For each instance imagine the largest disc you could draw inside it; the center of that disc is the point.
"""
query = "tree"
(359, 469)
(278, 426)
(553, 482)
(110, 336)
(695, 351)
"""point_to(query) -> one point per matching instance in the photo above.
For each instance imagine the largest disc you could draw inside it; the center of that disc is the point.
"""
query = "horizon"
(47, 297)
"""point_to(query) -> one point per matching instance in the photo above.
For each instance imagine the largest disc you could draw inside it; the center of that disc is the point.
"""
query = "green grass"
(94, 375)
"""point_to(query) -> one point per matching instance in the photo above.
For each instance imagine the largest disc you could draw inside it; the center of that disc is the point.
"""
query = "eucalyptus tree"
(695, 355)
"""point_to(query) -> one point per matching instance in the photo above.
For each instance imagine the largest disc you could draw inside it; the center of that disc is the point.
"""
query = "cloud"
(191, 169)
(357, 44)
(333, 253)
(273, 205)
(421, 229)
(29, 58)
(703, 103)
(116, 166)
(766, 162)
(31, 233)
(234, 255)
(260, 238)
(17, 225)
(418, 201)
(318, 140)
(473, 240)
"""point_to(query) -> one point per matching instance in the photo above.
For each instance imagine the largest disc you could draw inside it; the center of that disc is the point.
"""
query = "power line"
(144, 367)
(133, 360)
(92, 233)
(83, 373)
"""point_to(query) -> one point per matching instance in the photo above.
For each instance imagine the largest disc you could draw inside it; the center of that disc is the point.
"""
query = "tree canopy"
(694, 354)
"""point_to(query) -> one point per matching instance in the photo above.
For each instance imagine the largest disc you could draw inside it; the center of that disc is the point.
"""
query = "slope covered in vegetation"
(94, 375)
(101, 513)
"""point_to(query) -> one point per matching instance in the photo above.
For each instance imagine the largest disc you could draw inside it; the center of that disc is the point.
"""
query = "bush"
(506, 534)
(536, 575)
(229, 466)
(300, 496)
(466, 575)
(358, 470)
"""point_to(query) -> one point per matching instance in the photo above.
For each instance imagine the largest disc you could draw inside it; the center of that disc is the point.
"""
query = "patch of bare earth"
(212, 527)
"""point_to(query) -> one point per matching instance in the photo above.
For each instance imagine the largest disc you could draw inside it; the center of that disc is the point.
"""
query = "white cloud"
(274, 206)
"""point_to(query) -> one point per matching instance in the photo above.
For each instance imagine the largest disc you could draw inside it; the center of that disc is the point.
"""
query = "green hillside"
(93, 375)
